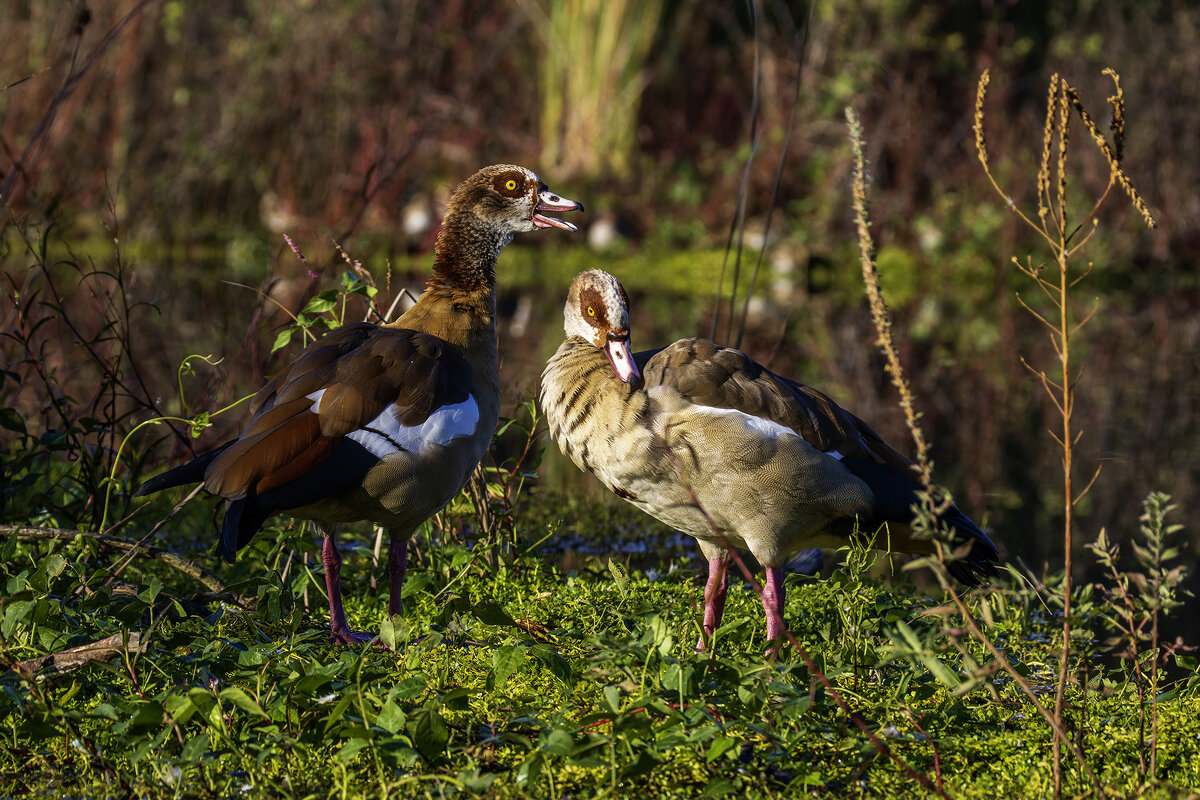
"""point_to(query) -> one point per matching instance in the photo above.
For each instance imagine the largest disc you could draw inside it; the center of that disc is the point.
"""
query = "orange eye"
(591, 311)
(510, 184)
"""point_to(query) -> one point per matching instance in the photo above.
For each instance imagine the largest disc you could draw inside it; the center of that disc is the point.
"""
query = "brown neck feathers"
(466, 252)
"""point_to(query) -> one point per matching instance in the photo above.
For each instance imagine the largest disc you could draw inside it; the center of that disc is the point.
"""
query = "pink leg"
(339, 631)
(714, 599)
(772, 600)
(397, 564)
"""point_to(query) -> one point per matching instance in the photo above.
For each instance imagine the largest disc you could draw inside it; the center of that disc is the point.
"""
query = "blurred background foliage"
(150, 151)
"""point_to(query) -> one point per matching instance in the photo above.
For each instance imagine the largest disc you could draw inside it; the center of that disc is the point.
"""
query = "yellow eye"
(591, 311)
(510, 184)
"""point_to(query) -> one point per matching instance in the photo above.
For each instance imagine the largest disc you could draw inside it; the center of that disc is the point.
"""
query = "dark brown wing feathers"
(363, 369)
(883, 452)
(313, 367)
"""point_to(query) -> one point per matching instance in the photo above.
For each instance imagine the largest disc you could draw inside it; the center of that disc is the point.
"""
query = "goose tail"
(183, 475)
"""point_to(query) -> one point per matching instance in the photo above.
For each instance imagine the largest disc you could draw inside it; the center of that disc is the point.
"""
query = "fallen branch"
(95, 653)
(199, 573)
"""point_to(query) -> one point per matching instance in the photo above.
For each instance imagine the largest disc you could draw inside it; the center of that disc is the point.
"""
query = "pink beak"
(550, 202)
(621, 359)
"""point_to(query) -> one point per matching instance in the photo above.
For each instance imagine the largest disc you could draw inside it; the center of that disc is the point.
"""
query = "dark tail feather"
(980, 559)
(191, 472)
(243, 518)
(895, 494)
(807, 562)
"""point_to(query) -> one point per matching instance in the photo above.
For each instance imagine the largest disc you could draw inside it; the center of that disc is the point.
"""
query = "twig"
(937, 760)
(24, 164)
(787, 138)
(120, 566)
(737, 226)
(210, 581)
(76, 657)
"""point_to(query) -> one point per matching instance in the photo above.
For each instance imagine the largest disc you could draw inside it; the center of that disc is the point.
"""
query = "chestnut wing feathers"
(362, 369)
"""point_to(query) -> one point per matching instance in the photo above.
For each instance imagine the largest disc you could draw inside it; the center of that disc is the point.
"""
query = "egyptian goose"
(384, 423)
(715, 445)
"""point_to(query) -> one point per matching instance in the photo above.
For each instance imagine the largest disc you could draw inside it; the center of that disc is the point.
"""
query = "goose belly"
(759, 483)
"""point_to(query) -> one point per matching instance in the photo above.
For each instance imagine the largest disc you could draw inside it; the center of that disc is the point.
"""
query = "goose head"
(512, 199)
(597, 311)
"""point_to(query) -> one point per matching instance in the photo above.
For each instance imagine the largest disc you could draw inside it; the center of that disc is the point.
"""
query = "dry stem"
(924, 467)
(1053, 227)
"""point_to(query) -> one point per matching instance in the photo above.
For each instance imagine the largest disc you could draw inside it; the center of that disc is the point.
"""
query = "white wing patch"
(385, 435)
(765, 427)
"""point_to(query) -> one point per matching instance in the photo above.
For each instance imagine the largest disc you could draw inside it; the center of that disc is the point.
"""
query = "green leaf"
(16, 613)
(195, 748)
(457, 699)
(150, 745)
(200, 423)
(8, 549)
(558, 666)
(181, 708)
(105, 711)
(620, 577)
(322, 302)
(143, 715)
(393, 631)
(146, 715)
(202, 699)
(475, 782)
(721, 787)
(558, 743)
(531, 769)
(350, 749)
(242, 701)
(283, 339)
(415, 584)
(506, 660)
(336, 713)
(55, 564)
(429, 732)
(148, 594)
(411, 687)
(391, 717)
(491, 613)
(612, 698)
(645, 763)
(10, 419)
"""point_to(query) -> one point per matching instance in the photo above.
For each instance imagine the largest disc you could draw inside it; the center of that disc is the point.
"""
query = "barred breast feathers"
(590, 412)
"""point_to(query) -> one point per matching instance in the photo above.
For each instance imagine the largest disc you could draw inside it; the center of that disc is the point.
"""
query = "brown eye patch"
(591, 305)
(510, 184)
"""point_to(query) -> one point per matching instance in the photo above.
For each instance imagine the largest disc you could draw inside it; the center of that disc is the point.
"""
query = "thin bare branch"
(1086, 317)
(210, 581)
(1090, 483)
(1030, 309)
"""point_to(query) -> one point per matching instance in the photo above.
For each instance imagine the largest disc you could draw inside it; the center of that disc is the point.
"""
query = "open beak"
(548, 201)
(621, 359)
